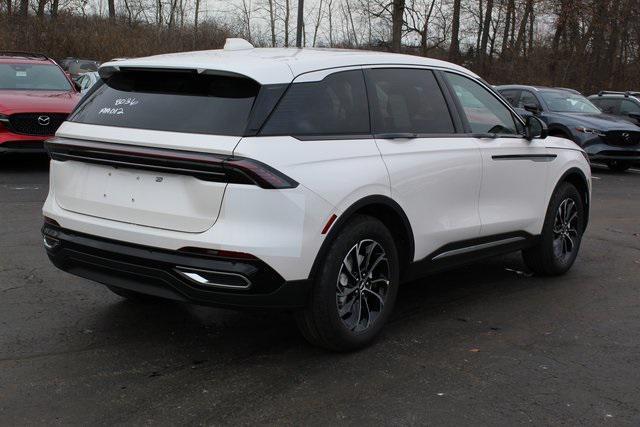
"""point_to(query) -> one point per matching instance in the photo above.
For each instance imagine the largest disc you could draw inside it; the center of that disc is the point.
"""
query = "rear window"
(171, 101)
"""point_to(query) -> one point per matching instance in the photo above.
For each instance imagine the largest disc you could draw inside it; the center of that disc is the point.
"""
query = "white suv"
(313, 180)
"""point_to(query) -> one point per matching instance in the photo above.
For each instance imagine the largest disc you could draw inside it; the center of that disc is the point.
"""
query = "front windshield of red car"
(33, 77)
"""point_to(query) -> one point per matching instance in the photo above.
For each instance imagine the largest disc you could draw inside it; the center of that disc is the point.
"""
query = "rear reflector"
(217, 253)
(50, 221)
(329, 224)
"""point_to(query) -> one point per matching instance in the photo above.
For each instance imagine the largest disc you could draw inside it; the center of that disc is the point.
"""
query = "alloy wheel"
(362, 285)
(565, 229)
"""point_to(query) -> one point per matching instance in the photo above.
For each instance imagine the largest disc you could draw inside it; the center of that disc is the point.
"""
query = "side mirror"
(532, 108)
(77, 86)
(535, 128)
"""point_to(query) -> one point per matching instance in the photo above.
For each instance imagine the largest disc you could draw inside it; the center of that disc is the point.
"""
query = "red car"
(36, 96)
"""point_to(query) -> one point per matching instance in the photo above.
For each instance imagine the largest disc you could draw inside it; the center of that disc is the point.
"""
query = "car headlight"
(591, 131)
(4, 119)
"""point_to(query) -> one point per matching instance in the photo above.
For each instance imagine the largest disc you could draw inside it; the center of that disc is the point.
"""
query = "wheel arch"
(559, 130)
(578, 179)
(383, 208)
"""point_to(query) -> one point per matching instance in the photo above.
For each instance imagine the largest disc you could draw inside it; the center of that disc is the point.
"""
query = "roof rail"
(613, 92)
(24, 54)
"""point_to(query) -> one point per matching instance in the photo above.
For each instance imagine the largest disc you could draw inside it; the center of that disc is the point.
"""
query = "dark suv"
(605, 137)
(623, 104)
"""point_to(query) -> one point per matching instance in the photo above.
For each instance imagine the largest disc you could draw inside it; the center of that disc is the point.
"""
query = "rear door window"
(407, 100)
(607, 105)
(628, 107)
(336, 105)
(511, 95)
(528, 98)
(171, 101)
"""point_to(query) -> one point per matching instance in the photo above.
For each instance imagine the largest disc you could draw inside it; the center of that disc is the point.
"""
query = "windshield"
(567, 102)
(32, 77)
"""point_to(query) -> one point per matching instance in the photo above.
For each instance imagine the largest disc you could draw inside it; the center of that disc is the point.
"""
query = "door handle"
(486, 135)
(397, 135)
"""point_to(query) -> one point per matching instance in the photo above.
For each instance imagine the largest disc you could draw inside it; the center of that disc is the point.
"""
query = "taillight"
(260, 174)
(205, 166)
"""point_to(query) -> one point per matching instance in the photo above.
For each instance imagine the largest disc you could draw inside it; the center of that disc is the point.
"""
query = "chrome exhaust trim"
(214, 279)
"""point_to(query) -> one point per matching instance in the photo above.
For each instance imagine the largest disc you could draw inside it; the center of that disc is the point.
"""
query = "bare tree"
(418, 19)
(246, 12)
(454, 48)
(397, 19)
(112, 9)
(317, 26)
(24, 8)
(272, 21)
(330, 16)
(508, 22)
(350, 22)
(486, 28)
(287, 16)
(520, 40)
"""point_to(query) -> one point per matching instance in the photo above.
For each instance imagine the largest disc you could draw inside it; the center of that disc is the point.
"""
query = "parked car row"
(604, 125)
(310, 180)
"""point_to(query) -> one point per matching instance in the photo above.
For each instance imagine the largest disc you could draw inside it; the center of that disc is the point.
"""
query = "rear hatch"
(148, 147)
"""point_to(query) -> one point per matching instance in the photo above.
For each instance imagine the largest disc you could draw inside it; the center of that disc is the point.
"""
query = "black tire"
(618, 165)
(321, 322)
(133, 296)
(548, 257)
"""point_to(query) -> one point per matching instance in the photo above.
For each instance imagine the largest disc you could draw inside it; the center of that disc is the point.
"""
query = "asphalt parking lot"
(483, 345)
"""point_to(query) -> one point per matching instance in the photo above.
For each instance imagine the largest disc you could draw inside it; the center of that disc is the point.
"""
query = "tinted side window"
(527, 98)
(337, 105)
(511, 95)
(407, 101)
(609, 106)
(485, 113)
(629, 107)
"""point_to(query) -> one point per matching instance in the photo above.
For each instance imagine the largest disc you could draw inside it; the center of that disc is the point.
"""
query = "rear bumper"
(160, 272)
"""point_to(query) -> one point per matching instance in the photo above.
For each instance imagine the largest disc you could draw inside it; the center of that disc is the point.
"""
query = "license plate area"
(162, 200)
